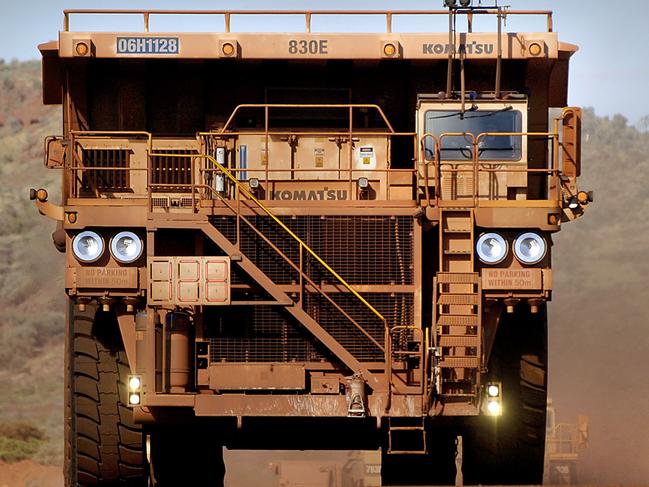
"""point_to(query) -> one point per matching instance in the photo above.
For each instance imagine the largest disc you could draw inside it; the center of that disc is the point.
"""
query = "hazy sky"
(611, 66)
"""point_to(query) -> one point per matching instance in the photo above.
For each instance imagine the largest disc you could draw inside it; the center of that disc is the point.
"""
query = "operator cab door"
(501, 155)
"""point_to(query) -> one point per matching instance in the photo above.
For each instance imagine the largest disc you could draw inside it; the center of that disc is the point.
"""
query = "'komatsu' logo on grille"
(469, 48)
(325, 194)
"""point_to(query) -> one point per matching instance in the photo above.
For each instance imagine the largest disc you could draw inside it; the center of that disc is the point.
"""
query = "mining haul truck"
(309, 240)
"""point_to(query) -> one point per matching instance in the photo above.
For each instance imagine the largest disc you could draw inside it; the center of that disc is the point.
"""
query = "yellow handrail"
(241, 187)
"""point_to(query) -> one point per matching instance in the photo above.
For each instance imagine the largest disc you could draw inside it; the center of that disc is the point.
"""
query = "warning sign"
(505, 279)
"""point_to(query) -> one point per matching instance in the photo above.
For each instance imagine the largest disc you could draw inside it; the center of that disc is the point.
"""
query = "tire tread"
(103, 445)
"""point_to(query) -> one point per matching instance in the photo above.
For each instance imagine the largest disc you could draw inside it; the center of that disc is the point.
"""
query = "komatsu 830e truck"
(309, 240)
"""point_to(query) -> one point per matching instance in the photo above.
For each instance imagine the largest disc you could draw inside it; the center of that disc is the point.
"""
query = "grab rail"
(475, 164)
(308, 14)
(268, 106)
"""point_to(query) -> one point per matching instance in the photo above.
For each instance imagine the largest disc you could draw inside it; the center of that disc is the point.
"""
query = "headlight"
(88, 246)
(134, 383)
(492, 248)
(126, 247)
(530, 248)
(494, 408)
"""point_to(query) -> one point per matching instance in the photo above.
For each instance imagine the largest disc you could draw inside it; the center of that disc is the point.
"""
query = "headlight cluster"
(125, 247)
(134, 390)
(529, 248)
(494, 403)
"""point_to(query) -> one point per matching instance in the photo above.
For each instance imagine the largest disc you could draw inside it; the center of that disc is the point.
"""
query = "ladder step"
(456, 230)
(457, 320)
(471, 299)
(459, 341)
(407, 452)
(456, 206)
(406, 353)
(460, 362)
(407, 428)
(458, 252)
(457, 278)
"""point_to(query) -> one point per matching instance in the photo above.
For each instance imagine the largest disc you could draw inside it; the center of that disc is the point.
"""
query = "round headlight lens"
(494, 408)
(126, 247)
(492, 248)
(530, 248)
(88, 246)
(493, 390)
(134, 383)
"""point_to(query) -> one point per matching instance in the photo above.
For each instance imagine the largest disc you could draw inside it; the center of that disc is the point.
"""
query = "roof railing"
(307, 14)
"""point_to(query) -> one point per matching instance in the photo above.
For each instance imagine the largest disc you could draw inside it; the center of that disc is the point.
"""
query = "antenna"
(467, 6)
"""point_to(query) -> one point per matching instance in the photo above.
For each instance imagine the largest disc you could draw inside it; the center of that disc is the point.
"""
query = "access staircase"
(245, 199)
(457, 308)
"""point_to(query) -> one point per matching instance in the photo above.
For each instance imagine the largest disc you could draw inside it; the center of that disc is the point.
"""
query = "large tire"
(510, 449)
(104, 447)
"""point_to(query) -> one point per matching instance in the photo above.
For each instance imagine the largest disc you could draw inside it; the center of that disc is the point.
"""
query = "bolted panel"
(189, 280)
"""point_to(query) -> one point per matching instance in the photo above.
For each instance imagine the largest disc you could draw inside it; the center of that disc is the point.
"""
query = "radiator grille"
(266, 334)
(261, 334)
(375, 250)
(113, 178)
(172, 171)
(364, 250)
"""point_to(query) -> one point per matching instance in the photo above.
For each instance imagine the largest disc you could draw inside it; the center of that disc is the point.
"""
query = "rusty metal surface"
(235, 376)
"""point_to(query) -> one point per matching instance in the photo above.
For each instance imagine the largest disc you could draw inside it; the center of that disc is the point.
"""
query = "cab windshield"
(475, 122)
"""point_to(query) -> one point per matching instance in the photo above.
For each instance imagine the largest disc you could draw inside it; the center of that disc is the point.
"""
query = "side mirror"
(54, 152)
(571, 142)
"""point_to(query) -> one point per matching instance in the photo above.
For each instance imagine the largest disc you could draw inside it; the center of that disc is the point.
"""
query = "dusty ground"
(30, 474)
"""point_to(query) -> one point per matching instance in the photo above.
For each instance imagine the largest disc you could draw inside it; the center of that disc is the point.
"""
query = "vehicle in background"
(563, 443)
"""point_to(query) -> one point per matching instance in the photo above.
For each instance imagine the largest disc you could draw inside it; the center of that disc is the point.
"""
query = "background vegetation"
(599, 338)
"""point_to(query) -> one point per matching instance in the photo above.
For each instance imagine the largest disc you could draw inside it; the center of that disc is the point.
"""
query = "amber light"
(535, 49)
(585, 197)
(81, 48)
(41, 195)
(228, 49)
(389, 50)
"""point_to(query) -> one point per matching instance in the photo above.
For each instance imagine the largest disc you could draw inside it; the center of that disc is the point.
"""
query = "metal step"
(457, 320)
(457, 278)
(406, 431)
(459, 341)
(460, 362)
(406, 428)
(449, 298)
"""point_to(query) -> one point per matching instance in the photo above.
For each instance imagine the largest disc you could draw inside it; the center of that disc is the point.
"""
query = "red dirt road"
(30, 474)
